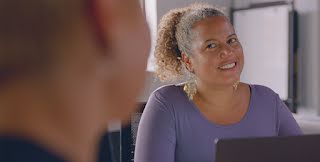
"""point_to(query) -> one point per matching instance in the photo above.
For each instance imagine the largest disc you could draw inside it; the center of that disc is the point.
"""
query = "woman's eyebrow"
(209, 40)
(233, 34)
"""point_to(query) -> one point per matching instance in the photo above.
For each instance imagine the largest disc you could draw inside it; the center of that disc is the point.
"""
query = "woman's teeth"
(228, 66)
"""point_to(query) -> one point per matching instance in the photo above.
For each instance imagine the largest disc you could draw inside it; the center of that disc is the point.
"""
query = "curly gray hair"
(175, 36)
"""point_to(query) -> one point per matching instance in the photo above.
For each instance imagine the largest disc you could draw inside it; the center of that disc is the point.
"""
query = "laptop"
(304, 148)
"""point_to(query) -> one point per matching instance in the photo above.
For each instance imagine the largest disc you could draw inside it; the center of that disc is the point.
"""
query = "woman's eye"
(211, 45)
(232, 40)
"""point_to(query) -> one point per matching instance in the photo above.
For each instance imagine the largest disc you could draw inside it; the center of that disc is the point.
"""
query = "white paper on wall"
(264, 35)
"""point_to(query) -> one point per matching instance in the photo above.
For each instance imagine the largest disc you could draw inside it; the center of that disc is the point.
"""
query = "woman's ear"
(187, 62)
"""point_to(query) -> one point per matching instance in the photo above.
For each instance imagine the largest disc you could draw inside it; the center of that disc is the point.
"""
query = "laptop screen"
(304, 148)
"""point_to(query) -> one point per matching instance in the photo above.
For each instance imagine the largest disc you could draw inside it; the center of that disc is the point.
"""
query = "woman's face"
(217, 56)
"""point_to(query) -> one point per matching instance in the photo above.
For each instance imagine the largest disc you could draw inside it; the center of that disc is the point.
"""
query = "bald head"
(30, 30)
(102, 40)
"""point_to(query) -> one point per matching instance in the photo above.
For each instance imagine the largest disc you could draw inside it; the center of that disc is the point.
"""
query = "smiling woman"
(182, 121)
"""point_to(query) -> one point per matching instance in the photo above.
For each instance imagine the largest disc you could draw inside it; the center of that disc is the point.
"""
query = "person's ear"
(99, 18)
(187, 62)
(123, 31)
(114, 20)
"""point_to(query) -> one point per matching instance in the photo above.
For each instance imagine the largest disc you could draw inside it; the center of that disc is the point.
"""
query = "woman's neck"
(218, 97)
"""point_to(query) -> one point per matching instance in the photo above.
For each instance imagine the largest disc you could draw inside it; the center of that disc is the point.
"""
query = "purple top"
(172, 129)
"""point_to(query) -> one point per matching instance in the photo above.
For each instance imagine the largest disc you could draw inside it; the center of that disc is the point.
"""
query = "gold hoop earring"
(235, 85)
(190, 88)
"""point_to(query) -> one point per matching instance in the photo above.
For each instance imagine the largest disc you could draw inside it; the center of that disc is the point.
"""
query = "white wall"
(308, 52)
(151, 16)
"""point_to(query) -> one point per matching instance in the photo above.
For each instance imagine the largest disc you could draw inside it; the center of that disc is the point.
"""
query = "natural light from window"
(150, 7)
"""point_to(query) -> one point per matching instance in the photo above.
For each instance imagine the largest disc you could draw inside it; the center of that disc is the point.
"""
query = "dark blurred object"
(16, 150)
(119, 146)
(110, 147)
(269, 149)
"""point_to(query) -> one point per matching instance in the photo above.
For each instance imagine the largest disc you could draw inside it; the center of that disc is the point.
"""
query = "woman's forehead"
(217, 26)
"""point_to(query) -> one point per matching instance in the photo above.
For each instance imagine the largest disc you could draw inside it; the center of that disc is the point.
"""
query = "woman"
(181, 122)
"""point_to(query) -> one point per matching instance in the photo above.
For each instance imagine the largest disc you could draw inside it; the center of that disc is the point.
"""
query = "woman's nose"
(226, 51)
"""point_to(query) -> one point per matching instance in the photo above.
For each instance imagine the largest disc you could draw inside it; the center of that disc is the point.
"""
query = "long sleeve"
(156, 137)
(287, 125)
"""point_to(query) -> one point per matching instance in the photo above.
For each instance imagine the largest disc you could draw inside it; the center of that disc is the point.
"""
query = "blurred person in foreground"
(64, 72)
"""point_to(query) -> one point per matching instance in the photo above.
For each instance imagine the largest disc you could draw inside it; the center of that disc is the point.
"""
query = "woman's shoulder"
(166, 99)
(261, 90)
(168, 94)
(167, 88)
(166, 91)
